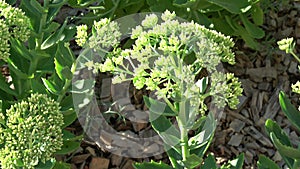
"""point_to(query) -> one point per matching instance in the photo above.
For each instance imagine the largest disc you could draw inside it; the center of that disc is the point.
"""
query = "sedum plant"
(279, 138)
(167, 57)
(31, 132)
(35, 50)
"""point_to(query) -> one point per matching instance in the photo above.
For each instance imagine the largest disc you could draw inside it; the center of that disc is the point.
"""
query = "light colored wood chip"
(91, 151)
(237, 125)
(236, 140)
(99, 163)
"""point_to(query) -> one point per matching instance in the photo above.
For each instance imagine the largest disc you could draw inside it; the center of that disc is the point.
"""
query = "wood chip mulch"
(263, 74)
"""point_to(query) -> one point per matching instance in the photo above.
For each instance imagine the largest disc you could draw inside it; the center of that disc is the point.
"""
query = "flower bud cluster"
(30, 131)
(167, 57)
(105, 34)
(13, 24)
(286, 44)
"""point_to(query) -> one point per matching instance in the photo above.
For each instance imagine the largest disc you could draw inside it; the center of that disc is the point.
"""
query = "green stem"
(67, 84)
(42, 25)
(295, 56)
(183, 141)
(33, 66)
(184, 144)
(170, 104)
(64, 90)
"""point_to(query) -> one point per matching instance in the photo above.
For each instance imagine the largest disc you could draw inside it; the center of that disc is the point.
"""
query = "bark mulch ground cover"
(263, 74)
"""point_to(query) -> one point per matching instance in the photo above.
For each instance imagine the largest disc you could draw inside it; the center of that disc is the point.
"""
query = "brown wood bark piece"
(99, 163)
(80, 158)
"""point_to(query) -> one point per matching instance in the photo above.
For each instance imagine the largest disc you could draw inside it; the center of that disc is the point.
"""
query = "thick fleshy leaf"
(151, 165)
(51, 87)
(266, 163)
(285, 150)
(62, 71)
(209, 163)
(5, 87)
(68, 136)
(19, 48)
(48, 165)
(158, 107)
(166, 130)
(188, 113)
(233, 6)
(62, 165)
(239, 30)
(257, 15)
(289, 110)
(37, 6)
(68, 147)
(205, 134)
(251, 28)
(220, 24)
(200, 122)
(174, 155)
(273, 127)
(236, 163)
(192, 161)
(69, 117)
(54, 38)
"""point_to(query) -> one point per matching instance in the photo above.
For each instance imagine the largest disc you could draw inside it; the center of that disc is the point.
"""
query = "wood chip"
(248, 86)
(297, 28)
(73, 166)
(248, 157)
(251, 130)
(139, 119)
(236, 140)
(128, 164)
(91, 151)
(239, 116)
(264, 86)
(105, 88)
(80, 158)
(106, 138)
(237, 125)
(293, 67)
(243, 100)
(116, 160)
(262, 72)
(277, 157)
(99, 163)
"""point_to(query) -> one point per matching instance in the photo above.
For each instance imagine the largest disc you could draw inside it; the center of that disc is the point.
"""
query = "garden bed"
(263, 73)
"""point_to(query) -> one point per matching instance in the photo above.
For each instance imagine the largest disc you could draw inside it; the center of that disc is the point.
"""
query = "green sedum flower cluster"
(106, 34)
(13, 24)
(296, 87)
(30, 132)
(286, 45)
(168, 57)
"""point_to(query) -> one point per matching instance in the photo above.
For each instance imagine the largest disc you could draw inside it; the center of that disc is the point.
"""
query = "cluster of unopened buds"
(13, 24)
(166, 57)
(30, 132)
